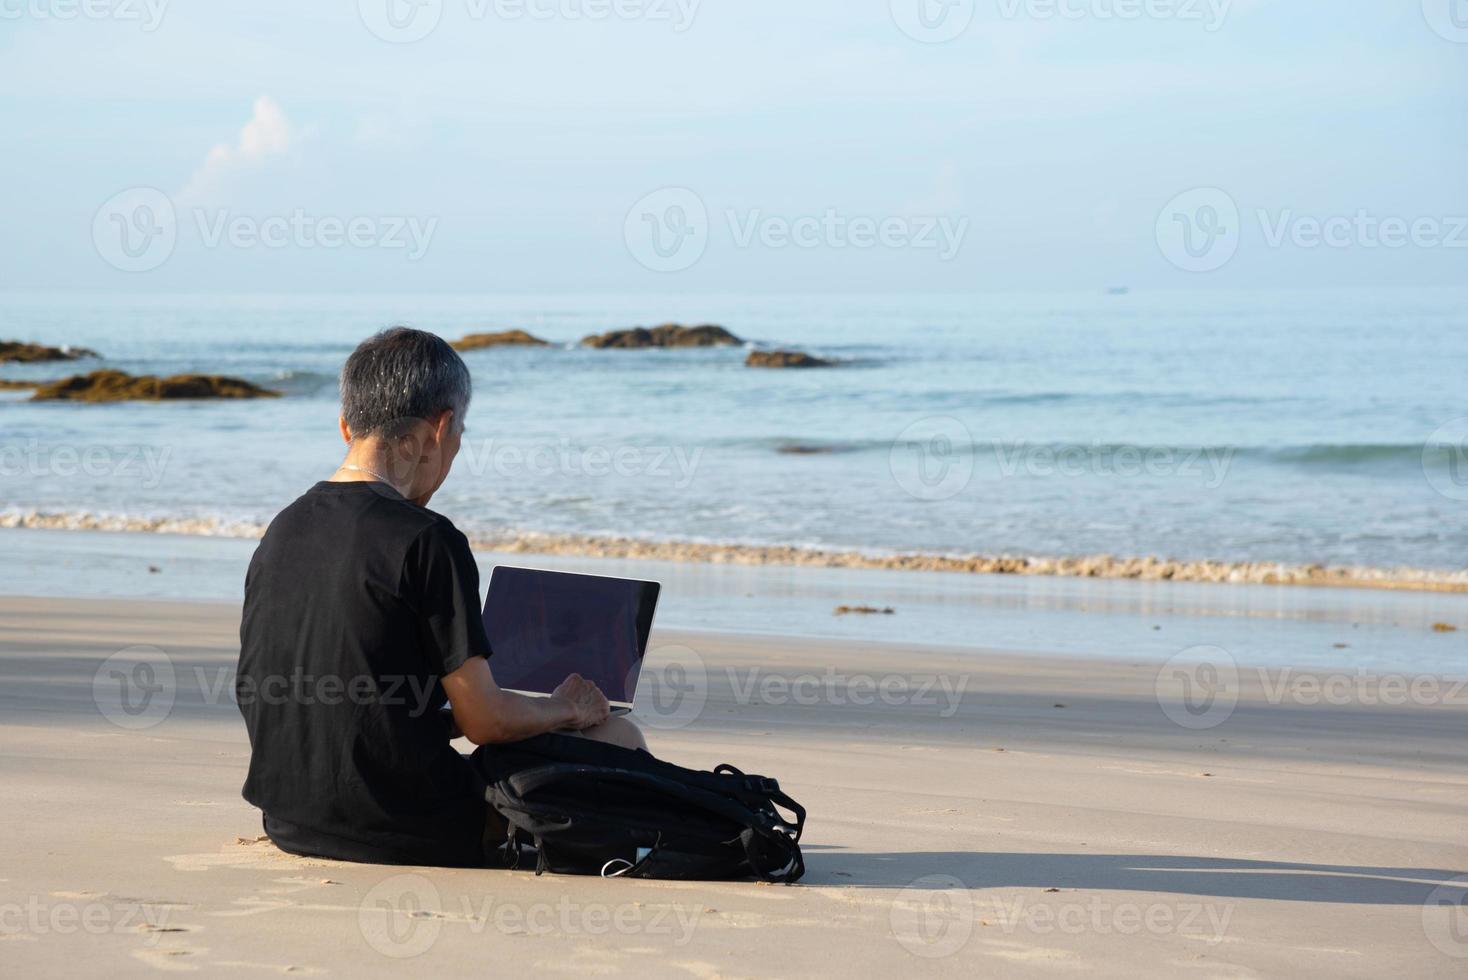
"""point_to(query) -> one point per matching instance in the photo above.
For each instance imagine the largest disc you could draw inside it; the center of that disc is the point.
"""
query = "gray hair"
(399, 375)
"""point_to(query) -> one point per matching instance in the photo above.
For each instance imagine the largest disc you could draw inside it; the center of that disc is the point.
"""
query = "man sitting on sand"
(361, 614)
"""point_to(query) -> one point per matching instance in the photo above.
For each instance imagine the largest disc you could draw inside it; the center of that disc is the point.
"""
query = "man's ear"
(346, 432)
(443, 425)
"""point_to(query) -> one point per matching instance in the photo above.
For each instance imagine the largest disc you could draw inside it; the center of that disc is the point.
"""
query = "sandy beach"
(973, 812)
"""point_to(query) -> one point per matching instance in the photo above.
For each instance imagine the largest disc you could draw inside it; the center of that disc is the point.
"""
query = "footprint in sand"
(178, 959)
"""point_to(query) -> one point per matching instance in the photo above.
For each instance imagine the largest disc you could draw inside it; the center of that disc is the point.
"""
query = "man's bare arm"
(487, 715)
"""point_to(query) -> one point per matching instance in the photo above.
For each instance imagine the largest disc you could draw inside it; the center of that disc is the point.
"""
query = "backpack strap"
(789, 874)
(765, 788)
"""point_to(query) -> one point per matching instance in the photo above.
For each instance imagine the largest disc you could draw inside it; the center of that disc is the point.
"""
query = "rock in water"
(668, 335)
(504, 338)
(23, 353)
(119, 386)
(785, 359)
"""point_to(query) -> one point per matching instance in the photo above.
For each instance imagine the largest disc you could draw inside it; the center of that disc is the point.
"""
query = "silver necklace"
(362, 469)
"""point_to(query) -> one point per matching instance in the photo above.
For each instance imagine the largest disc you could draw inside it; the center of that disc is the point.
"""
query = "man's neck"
(370, 460)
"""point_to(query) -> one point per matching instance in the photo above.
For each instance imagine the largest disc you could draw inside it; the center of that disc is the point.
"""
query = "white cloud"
(266, 135)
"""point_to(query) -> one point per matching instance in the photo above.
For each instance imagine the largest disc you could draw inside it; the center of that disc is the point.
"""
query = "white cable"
(616, 874)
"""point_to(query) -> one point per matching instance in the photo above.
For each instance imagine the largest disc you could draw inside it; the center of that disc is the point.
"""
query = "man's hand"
(489, 716)
(587, 701)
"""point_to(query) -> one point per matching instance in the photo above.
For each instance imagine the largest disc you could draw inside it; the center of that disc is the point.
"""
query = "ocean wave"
(293, 382)
(1360, 453)
(1336, 455)
(1143, 568)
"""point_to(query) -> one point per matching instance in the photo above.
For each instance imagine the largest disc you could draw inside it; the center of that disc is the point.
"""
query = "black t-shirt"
(357, 603)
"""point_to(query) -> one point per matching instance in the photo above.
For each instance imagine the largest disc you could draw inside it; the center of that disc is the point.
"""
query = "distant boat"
(1118, 290)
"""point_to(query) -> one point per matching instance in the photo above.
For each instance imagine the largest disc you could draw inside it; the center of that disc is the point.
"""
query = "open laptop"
(544, 626)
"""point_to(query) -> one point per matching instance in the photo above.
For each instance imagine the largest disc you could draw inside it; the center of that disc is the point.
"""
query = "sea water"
(1293, 426)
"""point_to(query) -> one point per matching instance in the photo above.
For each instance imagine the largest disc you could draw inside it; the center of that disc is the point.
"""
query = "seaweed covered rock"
(503, 338)
(667, 335)
(785, 359)
(119, 386)
(19, 352)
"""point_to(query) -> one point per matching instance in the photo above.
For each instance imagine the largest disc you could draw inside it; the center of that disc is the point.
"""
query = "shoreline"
(1144, 569)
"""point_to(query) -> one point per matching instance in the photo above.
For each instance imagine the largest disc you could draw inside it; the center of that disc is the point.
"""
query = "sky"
(732, 145)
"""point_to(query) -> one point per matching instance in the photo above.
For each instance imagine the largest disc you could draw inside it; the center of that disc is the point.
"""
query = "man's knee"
(618, 730)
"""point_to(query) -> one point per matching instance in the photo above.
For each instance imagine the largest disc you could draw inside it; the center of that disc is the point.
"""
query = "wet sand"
(973, 812)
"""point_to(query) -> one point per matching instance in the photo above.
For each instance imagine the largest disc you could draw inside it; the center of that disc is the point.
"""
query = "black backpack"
(592, 808)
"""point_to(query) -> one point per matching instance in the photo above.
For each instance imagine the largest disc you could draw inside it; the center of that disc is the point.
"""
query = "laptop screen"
(543, 626)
